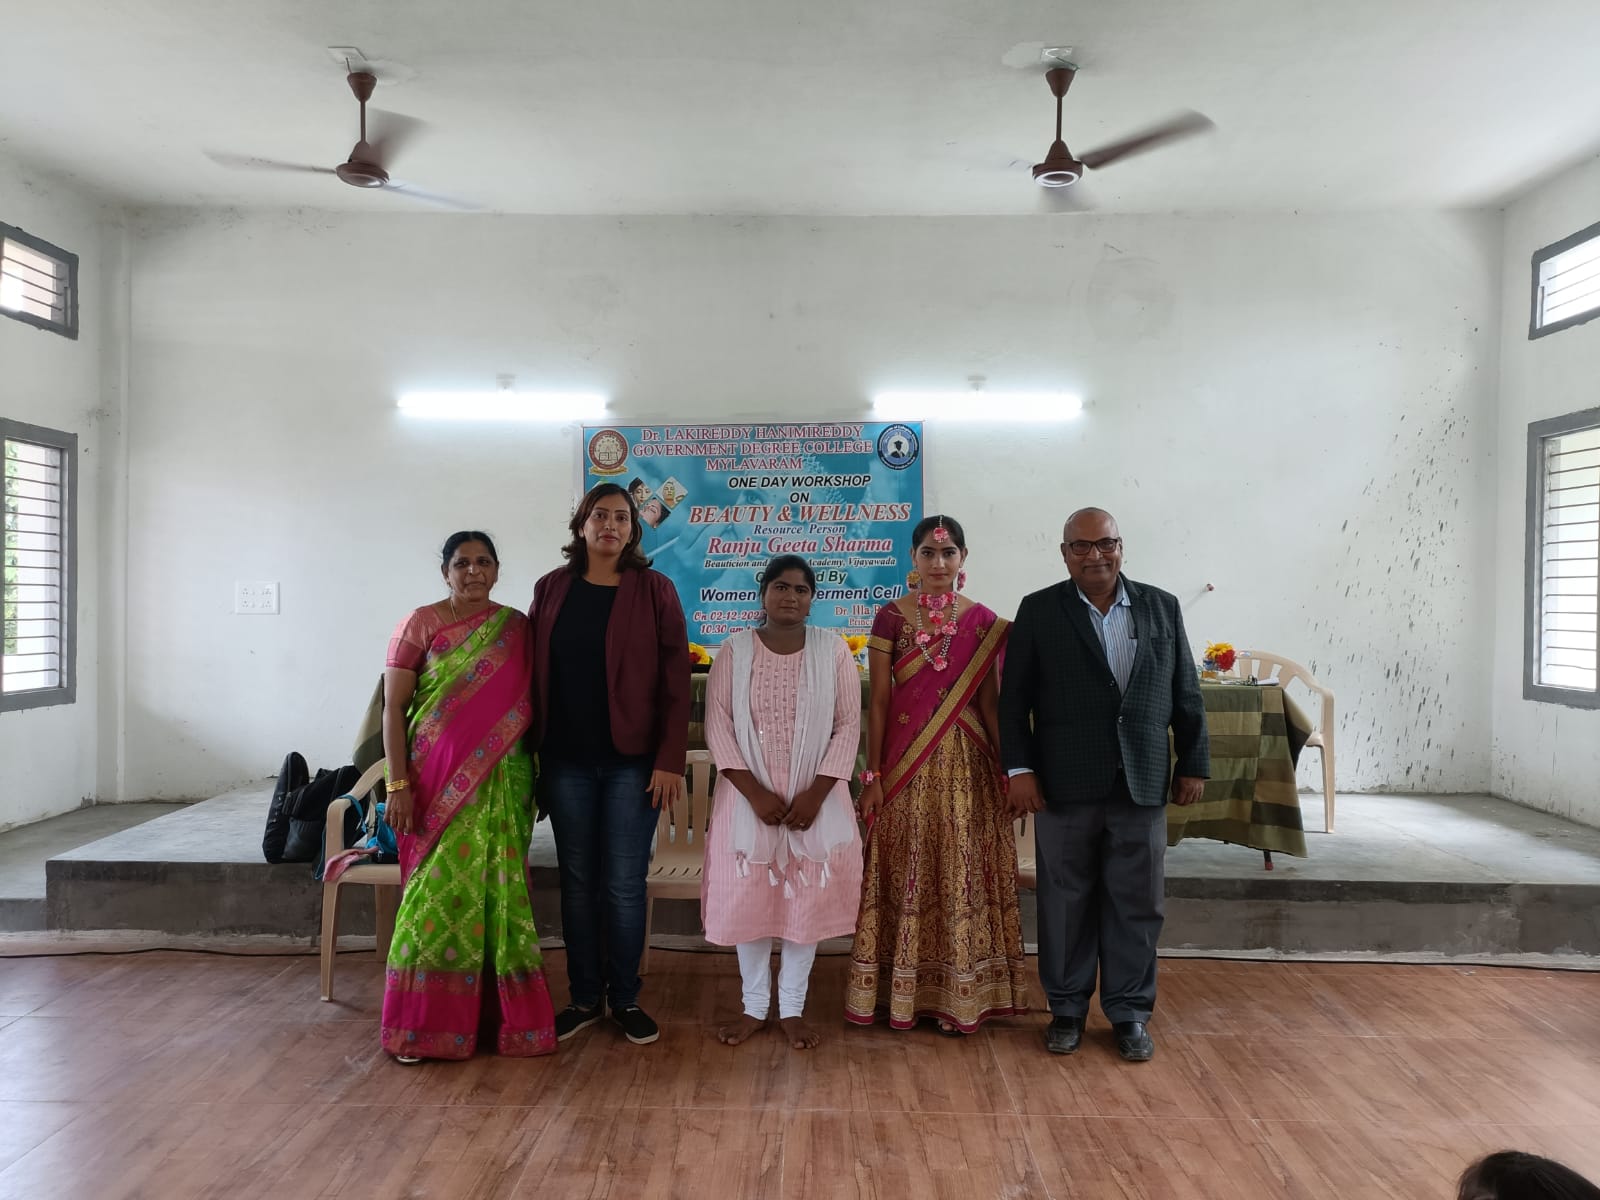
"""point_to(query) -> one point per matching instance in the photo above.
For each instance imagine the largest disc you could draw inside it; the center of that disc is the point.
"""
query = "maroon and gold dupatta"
(925, 704)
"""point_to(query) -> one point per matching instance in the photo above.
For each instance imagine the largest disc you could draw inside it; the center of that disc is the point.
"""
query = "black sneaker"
(572, 1018)
(635, 1024)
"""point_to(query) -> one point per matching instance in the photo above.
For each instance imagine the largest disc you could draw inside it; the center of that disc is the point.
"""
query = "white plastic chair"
(680, 854)
(383, 878)
(1261, 666)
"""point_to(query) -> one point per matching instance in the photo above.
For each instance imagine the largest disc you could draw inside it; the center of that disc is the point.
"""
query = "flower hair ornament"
(940, 533)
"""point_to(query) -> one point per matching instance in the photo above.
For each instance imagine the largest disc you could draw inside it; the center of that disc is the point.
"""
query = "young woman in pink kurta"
(783, 859)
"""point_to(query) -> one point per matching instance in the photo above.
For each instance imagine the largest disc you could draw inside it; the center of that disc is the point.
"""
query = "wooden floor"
(178, 1075)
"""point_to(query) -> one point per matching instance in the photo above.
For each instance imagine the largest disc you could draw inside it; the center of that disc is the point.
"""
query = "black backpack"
(293, 776)
(307, 809)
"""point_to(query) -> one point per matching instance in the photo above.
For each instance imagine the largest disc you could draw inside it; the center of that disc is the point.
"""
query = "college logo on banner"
(899, 447)
(718, 501)
(608, 452)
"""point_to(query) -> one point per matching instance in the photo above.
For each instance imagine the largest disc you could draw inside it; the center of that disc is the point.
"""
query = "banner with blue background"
(718, 500)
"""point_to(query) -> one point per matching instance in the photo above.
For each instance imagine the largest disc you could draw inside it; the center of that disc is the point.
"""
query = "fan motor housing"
(1059, 168)
(362, 174)
(1057, 174)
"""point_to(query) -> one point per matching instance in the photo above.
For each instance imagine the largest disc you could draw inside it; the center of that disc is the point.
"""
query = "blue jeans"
(603, 826)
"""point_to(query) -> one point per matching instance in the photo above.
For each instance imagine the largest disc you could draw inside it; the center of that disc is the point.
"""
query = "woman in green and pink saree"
(464, 964)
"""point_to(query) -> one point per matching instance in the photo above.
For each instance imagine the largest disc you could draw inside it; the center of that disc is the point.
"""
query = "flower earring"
(961, 581)
(913, 580)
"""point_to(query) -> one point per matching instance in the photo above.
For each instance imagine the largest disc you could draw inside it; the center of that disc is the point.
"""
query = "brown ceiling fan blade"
(389, 134)
(249, 162)
(434, 198)
(1173, 129)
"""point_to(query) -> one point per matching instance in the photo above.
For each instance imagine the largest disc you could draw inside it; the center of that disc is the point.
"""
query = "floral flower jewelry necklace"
(935, 606)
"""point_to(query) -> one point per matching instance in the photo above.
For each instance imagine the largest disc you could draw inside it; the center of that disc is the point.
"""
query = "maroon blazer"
(647, 665)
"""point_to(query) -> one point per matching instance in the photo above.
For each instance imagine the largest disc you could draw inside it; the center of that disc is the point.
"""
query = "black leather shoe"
(1133, 1041)
(1063, 1034)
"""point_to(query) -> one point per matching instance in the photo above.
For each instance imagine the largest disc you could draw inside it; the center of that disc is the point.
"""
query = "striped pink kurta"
(738, 909)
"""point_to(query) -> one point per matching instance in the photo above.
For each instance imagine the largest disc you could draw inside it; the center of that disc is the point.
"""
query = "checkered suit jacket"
(1062, 716)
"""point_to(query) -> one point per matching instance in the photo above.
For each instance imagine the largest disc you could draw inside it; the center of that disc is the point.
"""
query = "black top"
(578, 725)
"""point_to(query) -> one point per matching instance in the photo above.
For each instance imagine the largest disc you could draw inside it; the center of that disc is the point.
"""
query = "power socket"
(255, 599)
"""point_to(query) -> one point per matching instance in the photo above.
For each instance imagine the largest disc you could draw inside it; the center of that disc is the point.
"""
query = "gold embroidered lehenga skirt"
(940, 932)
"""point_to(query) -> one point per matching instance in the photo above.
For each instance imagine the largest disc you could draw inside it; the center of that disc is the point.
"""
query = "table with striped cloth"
(1251, 798)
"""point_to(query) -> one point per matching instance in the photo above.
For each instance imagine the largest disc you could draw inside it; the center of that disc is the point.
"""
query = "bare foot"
(801, 1036)
(732, 1035)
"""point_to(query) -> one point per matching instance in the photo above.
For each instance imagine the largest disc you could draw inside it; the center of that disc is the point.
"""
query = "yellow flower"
(698, 654)
(858, 647)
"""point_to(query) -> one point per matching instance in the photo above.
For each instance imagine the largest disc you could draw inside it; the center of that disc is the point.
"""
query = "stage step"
(25, 850)
(1467, 876)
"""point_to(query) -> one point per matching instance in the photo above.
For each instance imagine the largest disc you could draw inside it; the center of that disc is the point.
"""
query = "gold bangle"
(395, 785)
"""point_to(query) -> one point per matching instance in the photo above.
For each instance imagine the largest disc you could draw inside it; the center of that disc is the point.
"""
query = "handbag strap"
(366, 817)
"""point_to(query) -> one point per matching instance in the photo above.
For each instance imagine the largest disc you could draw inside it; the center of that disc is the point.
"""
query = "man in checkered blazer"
(1097, 671)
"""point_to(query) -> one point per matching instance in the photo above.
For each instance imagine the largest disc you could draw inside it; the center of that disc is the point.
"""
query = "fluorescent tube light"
(1039, 407)
(504, 406)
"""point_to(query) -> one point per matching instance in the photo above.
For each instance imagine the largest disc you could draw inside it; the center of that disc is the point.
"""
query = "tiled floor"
(179, 1075)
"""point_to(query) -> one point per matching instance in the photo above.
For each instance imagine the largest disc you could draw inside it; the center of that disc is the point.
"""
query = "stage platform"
(1406, 876)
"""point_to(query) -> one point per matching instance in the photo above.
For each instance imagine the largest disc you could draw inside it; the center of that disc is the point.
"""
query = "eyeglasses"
(1106, 546)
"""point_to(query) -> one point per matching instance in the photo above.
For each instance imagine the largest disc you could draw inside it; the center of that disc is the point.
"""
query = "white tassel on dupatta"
(785, 852)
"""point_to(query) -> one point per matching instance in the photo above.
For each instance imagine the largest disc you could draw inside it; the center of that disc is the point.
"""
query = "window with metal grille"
(1563, 602)
(1566, 283)
(37, 589)
(38, 282)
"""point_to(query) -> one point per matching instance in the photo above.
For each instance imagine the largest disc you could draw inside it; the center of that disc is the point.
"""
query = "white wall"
(1297, 410)
(47, 755)
(1545, 755)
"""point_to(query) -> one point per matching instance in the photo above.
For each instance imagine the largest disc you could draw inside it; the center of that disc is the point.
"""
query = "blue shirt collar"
(1122, 596)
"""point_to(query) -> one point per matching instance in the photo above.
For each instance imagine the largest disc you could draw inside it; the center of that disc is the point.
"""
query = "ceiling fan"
(1061, 170)
(370, 160)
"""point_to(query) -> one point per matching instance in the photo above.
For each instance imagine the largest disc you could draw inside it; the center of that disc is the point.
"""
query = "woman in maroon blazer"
(611, 721)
